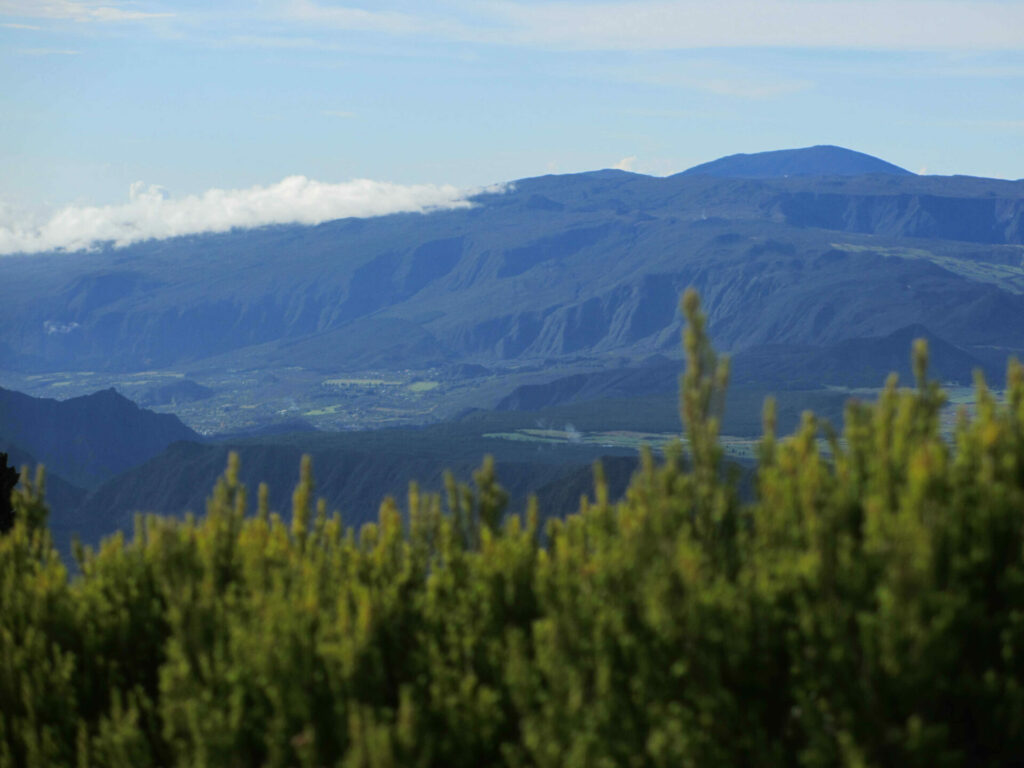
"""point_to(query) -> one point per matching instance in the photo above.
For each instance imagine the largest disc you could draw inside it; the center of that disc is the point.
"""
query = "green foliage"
(864, 609)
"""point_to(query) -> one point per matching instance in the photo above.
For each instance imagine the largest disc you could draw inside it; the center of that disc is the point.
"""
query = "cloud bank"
(152, 213)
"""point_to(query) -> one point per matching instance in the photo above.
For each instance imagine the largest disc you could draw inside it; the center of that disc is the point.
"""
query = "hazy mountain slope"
(659, 411)
(822, 160)
(87, 439)
(60, 494)
(859, 362)
(862, 362)
(616, 383)
(558, 267)
(62, 497)
(565, 492)
(353, 471)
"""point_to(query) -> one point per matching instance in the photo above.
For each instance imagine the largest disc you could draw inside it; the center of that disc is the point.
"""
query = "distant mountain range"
(786, 248)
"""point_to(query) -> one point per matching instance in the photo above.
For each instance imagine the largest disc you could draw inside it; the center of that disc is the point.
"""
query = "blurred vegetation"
(864, 609)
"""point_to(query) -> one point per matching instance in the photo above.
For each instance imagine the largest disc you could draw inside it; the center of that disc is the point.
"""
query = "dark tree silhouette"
(8, 479)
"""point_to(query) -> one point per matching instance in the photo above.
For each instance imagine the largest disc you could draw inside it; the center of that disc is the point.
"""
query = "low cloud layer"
(152, 213)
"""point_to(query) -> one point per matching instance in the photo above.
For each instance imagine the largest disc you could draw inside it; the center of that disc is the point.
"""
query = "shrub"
(866, 608)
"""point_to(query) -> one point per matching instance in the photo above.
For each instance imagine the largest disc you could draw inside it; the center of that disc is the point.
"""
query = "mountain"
(556, 268)
(62, 497)
(60, 494)
(822, 160)
(353, 471)
(413, 318)
(85, 440)
(862, 362)
(631, 381)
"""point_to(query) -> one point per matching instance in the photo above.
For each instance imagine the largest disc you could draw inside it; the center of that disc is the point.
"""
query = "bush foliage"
(866, 608)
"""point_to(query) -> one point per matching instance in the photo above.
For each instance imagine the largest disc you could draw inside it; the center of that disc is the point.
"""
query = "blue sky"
(198, 95)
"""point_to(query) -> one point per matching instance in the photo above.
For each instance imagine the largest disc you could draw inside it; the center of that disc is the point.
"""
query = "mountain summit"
(822, 160)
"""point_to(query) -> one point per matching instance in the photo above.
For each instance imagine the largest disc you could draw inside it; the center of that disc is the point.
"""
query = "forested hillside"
(862, 610)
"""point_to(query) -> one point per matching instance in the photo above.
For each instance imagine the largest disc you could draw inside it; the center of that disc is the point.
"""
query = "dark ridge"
(87, 439)
(352, 479)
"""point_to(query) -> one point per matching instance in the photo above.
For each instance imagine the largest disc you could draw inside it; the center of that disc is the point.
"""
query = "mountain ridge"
(88, 439)
(597, 269)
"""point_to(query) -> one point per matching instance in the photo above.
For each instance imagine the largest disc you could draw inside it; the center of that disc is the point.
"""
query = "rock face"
(556, 268)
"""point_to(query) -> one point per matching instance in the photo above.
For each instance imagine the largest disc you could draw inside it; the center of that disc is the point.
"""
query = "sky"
(157, 117)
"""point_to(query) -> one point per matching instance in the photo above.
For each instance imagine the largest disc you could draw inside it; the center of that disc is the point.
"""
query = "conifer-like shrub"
(865, 609)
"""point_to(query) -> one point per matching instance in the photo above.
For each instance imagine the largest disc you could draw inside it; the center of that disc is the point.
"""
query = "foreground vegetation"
(864, 609)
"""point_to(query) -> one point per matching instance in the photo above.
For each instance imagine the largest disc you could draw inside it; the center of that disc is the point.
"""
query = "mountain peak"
(821, 160)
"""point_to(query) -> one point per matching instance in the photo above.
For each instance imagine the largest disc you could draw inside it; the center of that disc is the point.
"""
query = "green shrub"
(867, 608)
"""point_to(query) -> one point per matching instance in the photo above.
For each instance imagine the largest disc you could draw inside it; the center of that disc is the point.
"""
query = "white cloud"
(75, 10)
(152, 213)
(20, 26)
(679, 24)
(51, 327)
(626, 163)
